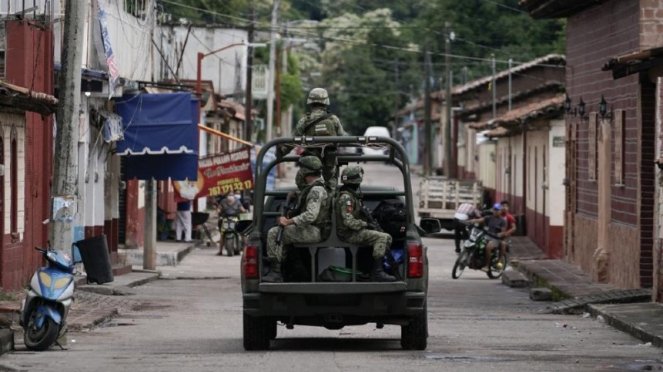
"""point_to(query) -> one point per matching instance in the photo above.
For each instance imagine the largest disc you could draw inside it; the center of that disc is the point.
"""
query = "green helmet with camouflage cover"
(318, 95)
(310, 165)
(352, 175)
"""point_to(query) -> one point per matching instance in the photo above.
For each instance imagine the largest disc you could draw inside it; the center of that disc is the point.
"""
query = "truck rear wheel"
(414, 336)
(257, 332)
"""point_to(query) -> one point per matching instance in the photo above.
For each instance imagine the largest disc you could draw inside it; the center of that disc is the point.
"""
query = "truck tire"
(414, 336)
(272, 330)
(256, 333)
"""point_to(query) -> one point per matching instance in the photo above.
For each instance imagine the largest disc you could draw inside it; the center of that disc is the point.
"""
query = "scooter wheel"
(41, 339)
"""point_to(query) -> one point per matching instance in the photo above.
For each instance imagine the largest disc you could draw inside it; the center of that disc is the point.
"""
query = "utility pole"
(65, 172)
(510, 63)
(427, 122)
(150, 233)
(279, 64)
(272, 57)
(248, 119)
(448, 153)
(492, 56)
(397, 98)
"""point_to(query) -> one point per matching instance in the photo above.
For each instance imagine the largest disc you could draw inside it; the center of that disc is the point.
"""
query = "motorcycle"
(473, 254)
(44, 310)
(230, 235)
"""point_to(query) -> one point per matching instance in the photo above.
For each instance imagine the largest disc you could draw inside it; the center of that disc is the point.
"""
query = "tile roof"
(531, 111)
(26, 99)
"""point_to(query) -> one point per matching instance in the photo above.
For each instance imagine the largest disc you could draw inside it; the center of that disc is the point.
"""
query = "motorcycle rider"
(510, 222)
(464, 212)
(497, 225)
(230, 206)
(310, 220)
(352, 226)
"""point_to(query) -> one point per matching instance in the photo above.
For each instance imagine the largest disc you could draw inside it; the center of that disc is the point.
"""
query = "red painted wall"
(135, 217)
(29, 63)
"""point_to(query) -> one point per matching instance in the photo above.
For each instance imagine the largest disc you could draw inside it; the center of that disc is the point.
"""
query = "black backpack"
(391, 216)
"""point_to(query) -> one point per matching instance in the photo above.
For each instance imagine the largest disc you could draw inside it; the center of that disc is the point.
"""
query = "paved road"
(475, 324)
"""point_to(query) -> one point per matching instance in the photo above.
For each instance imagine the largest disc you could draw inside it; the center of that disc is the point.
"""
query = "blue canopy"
(160, 136)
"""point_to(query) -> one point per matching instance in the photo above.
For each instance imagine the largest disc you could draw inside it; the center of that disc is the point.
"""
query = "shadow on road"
(336, 344)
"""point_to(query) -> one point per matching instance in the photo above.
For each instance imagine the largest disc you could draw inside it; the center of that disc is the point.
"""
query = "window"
(591, 147)
(619, 147)
(13, 177)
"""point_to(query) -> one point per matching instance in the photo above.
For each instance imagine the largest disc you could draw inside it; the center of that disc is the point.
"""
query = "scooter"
(230, 235)
(44, 310)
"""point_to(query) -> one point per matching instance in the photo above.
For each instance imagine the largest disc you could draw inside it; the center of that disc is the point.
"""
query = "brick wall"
(30, 64)
(647, 146)
(593, 37)
(651, 30)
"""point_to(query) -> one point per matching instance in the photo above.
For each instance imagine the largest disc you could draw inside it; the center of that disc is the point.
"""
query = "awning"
(160, 135)
(632, 63)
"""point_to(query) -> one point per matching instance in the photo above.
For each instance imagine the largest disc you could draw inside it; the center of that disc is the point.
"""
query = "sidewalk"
(628, 310)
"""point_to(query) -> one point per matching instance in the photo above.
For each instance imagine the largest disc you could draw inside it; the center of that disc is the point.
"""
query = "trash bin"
(94, 252)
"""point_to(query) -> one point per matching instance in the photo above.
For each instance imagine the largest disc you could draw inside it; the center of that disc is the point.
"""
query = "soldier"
(320, 122)
(351, 224)
(310, 218)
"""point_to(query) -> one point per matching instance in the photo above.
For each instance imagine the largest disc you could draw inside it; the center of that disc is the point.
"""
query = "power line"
(505, 6)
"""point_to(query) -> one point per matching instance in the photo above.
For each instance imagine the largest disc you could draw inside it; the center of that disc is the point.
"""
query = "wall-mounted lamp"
(603, 109)
(581, 109)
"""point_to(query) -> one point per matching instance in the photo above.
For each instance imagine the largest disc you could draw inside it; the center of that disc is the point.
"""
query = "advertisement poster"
(218, 175)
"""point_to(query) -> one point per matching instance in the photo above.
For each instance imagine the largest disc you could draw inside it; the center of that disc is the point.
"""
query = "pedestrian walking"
(183, 221)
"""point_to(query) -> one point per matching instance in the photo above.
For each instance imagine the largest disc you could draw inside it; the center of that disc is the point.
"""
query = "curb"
(6, 340)
(623, 326)
(135, 256)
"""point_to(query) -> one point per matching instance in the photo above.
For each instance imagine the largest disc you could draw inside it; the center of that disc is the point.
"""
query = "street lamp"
(201, 56)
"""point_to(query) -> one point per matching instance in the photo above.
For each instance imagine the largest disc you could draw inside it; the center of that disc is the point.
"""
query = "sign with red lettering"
(218, 175)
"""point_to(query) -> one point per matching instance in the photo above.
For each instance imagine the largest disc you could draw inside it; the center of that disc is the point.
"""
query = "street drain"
(649, 365)
(117, 324)
(462, 358)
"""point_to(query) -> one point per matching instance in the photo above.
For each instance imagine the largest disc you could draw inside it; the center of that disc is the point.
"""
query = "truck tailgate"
(332, 288)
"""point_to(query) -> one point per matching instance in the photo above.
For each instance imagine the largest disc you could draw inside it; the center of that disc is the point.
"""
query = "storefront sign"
(559, 141)
(218, 175)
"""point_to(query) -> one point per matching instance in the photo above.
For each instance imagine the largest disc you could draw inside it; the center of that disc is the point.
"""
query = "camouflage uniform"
(351, 225)
(330, 126)
(312, 216)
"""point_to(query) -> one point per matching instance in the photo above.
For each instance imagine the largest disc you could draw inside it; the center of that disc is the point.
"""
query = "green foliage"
(371, 59)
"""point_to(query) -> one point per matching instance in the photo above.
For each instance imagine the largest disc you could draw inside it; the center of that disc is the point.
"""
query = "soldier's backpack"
(391, 215)
(320, 127)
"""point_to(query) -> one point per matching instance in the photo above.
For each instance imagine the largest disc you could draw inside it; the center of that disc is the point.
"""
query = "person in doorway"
(228, 207)
(497, 225)
(183, 221)
(464, 212)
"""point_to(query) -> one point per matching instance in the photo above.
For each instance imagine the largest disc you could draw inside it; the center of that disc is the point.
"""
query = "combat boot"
(274, 275)
(378, 274)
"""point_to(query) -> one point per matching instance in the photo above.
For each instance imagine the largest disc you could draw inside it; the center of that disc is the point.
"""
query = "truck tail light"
(415, 266)
(250, 262)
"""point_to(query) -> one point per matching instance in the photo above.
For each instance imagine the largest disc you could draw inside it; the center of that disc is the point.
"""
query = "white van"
(376, 132)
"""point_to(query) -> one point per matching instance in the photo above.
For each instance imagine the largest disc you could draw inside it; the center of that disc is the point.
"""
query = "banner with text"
(218, 175)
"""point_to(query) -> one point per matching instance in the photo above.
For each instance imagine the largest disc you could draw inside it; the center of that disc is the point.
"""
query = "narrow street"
(475, 324)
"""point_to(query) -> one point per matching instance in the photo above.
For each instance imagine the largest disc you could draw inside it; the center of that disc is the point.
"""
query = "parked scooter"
(230, 235)
(473, 254)
(44, 311)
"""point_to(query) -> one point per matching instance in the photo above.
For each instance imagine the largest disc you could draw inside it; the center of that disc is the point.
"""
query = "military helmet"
(352, 175)
(318, 95)
(310, 165)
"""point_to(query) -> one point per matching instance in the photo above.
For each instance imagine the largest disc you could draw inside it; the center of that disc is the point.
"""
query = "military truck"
(304, 299)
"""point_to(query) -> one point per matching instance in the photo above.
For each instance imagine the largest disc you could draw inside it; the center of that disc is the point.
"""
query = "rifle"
(374, 225)
(289, 206)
